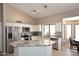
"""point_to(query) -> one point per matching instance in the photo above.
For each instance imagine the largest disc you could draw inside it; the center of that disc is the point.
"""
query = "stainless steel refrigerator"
(12, 34)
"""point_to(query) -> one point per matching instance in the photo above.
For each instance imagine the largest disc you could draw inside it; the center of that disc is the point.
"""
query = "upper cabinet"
(35, 28)
(32, 27)
(58, 27)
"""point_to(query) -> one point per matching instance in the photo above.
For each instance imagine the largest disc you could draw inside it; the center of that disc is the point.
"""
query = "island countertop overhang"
(32, 43)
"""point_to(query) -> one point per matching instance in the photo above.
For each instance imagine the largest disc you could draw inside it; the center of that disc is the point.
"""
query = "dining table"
(77, 41)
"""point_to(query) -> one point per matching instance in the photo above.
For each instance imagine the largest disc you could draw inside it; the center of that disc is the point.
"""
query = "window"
(46, 30)
(52, 29)
(68, 28)
(76, 31)
(49, 30)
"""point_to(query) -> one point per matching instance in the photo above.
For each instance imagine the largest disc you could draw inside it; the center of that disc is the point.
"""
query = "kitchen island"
(33, 47)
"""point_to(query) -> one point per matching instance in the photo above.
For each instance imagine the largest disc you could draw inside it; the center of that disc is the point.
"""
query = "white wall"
(13, 15)
(52, 19)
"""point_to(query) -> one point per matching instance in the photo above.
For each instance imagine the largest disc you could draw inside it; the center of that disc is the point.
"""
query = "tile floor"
(66, 51)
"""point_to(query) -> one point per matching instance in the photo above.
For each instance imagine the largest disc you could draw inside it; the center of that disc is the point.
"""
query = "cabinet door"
(58, 27)
(35, 28)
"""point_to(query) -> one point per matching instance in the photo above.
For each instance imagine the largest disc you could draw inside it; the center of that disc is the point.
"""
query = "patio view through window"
(76, 31)
(68, 28)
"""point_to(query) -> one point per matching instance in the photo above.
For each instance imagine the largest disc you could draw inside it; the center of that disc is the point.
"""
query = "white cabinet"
(35, 28)
(33, 50)
(32, 27)
(58, 27)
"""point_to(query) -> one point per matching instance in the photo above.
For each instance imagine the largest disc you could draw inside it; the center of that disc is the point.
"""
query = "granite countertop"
(54, 36)
(31, 43)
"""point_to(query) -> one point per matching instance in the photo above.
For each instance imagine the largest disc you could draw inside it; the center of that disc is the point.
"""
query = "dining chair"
(72, 43)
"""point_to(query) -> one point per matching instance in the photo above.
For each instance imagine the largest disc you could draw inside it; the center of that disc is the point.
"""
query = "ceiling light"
(45, 6)
(34, 12)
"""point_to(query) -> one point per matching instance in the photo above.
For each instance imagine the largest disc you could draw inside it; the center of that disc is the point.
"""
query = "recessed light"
(34, 12)
(45, 6)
